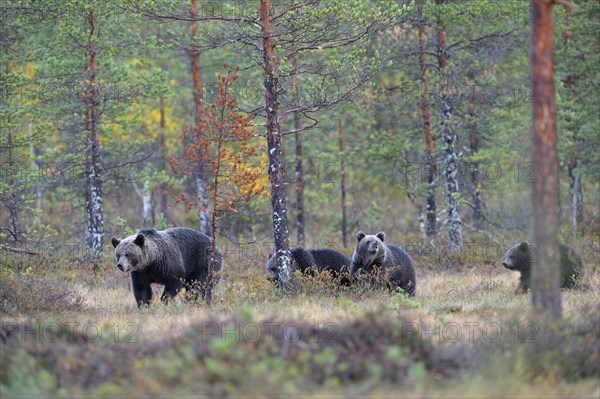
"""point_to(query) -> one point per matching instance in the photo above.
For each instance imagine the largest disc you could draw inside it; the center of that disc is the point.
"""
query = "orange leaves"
(224, 148)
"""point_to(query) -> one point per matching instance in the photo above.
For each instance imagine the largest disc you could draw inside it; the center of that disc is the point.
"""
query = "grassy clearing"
(67, 331)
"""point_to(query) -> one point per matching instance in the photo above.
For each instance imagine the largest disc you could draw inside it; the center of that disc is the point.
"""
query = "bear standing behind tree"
(389, 264)
(520, 257)
(313, 261)
(176, 257)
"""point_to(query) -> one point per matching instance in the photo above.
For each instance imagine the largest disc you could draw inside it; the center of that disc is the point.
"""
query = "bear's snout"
(373, 248)
(505, 265)
(121, 267)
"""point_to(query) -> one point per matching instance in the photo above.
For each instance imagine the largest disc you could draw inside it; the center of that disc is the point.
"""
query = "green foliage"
(146, 113)
(141, 60)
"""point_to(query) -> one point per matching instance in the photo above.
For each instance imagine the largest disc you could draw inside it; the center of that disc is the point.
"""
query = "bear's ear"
(523, 246)
(360, 235)
(139, 240)
(381, 236)
(115, 241)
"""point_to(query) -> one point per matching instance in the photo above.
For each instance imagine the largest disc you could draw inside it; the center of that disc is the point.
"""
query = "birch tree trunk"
(94, 199)
(545, 279)
(449, 138)
(145, 196)
(299, 172)
(197, 81)
(276, 171)
(162, 208)
(574, 164)
(576, 197)
(36, 167)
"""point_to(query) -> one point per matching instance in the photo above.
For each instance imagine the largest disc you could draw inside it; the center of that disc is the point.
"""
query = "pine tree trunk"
(94, 199)
(299, 172)
(449, 138)
(276, 171)
(343, 183)
(200, 172)
(545, 196)
(431, 168)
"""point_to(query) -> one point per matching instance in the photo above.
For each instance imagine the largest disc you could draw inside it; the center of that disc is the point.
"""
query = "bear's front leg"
(171, 289)
(142, 290)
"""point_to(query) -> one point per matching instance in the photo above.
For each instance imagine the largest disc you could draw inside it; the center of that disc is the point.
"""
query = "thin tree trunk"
(545, 196)
(474, 146)
(145, 196)
(431, 167)
(442, 54)
(299, 172)
(276, 171)
(449, 137)
(13, 182)
(213, 232)
(197, 79)
(343, 182)
(36, 168)
(163, 158)
(13, 207)
(94, 208)
(576, 199)
(574, 165)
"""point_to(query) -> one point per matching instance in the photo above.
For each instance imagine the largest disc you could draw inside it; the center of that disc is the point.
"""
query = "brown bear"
(520, 256)
(313, 261)
(176, 258)
(389, 264)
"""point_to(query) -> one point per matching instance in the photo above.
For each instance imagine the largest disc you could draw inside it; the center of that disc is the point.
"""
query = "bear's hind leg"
(171, 289)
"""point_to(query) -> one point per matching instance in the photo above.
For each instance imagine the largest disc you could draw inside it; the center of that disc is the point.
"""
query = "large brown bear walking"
(176, 257)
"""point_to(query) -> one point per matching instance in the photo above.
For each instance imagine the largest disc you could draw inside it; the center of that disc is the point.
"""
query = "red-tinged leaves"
(223, 145)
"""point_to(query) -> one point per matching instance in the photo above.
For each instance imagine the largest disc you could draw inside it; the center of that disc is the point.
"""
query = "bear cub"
(389, 264)
(520, 256)
(176, 258)
(313, 261)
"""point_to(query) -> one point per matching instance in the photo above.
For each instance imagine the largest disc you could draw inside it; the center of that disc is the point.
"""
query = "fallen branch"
(19, 250)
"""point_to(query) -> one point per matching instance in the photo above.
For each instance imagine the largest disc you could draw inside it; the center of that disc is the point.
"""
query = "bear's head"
(130, 253)
(518, 256)
(370, 249)
(272, 268)
(272, 271)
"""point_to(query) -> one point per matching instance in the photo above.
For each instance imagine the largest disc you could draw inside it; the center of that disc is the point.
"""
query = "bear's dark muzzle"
(121, 268)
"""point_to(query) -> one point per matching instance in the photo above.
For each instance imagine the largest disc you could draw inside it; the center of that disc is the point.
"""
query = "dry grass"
(380, 342)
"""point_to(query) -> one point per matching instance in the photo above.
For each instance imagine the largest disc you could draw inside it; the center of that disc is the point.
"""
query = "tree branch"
(12, 233)
(314, 124)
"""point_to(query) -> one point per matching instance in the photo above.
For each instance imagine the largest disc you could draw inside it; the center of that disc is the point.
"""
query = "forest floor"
(67, 331)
